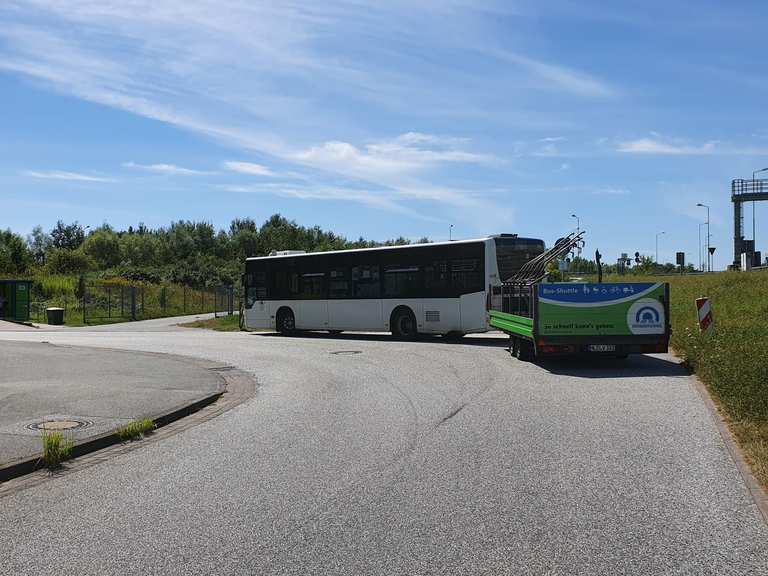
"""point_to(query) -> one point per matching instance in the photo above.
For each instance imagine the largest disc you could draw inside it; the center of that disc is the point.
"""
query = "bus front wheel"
(286, 321)
(403, 324)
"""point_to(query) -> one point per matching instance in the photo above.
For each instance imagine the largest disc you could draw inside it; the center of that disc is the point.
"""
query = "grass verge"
(56, 448)
(136, 429)
(220, 324)
(731, 359)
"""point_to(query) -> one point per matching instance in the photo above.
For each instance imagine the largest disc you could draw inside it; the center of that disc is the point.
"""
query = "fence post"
(142, 303)
(132, 294)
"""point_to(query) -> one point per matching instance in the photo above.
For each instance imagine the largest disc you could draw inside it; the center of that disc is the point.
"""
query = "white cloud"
(320, 192)
(610, 191)
(398, 157)
(170, 169)
(62, 175)
(558, 77)
(249, 168)
(553, 139)
(655, 146)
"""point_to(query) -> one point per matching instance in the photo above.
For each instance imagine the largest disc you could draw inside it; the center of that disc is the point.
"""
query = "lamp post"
(701, 260)
(709, 256)
(450, 233)
(657, 245)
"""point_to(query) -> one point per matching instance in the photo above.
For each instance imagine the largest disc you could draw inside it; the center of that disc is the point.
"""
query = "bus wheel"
(403, 324)
(286, 322)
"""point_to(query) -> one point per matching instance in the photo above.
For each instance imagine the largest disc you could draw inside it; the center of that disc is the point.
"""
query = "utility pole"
(450, 233)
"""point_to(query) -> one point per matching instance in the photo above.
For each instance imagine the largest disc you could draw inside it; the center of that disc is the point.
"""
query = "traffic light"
(637, 257)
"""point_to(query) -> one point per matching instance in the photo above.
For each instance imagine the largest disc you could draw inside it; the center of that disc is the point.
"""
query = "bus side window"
(436, 280)
(402, 282)
(257, 287)
(338, 283)
(365, 282)
(466, 276)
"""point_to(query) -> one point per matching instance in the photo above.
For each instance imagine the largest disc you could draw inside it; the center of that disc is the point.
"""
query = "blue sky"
(386, 119)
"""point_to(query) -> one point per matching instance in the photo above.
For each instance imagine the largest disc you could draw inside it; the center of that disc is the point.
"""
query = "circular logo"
(646, 316)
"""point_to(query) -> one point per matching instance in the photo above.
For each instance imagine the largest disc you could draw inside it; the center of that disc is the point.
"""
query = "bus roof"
(352, 250)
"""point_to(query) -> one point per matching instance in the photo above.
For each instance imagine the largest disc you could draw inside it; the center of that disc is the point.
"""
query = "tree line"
(186, 252)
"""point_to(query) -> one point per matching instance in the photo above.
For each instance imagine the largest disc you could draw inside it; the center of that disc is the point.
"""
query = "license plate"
(602, 348)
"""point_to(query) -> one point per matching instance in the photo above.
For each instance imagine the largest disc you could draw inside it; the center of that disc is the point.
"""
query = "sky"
(382, 119)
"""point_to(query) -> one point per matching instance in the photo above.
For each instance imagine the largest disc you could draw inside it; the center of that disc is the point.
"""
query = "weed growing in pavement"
(56, 448)
(136, 429)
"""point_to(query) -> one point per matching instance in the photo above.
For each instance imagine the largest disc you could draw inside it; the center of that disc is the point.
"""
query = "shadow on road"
(636, 366)
(500, 341)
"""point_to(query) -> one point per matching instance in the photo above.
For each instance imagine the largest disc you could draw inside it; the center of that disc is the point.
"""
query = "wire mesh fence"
(99, 302)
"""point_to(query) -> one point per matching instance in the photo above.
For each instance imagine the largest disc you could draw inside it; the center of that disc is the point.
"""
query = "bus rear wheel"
(286, 322)
(403, 324)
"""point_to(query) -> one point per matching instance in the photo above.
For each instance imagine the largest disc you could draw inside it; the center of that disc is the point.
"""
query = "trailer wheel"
(525, 351)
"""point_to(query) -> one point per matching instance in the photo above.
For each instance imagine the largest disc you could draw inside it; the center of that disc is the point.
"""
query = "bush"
(69, 262)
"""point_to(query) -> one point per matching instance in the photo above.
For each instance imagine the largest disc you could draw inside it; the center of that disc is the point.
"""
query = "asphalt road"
(360, 455)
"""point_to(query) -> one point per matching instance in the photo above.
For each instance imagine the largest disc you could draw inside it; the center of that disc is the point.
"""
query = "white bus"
(438, 288)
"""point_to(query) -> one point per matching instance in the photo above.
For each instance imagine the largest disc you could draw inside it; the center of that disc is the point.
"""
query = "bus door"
(313, 307)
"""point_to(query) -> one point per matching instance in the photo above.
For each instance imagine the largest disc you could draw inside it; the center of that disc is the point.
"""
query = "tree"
(15, 256)
(67, 236)
(39, 244)
(103, 246)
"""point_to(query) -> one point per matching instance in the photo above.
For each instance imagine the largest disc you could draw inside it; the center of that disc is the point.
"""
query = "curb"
(756, 491)
(236, 387)
(26, 466)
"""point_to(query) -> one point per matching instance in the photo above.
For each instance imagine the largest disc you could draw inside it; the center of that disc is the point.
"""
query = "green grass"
(136, 429)
(221, 324)
(732, 360)
(56, 448)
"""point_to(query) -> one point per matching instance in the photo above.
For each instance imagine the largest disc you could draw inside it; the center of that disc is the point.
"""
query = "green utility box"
(15, 299)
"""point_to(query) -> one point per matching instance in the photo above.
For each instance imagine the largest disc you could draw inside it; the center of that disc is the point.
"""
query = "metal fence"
(102, 302)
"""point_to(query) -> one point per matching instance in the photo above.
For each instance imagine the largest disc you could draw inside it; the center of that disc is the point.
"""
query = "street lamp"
(709, 256)
(657, 245)
(450, 233)
(578, 223)
(701, 260)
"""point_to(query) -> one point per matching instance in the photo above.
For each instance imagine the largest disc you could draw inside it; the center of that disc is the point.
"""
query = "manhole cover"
(347, 352)
(52, 425)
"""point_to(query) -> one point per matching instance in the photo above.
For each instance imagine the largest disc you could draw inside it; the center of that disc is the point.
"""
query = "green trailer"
(565, 319)
(15, 300)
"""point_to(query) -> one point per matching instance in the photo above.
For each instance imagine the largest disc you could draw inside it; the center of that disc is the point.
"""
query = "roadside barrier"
(706, 322)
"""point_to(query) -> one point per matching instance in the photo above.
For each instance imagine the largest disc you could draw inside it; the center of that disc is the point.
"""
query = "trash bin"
(55, 316)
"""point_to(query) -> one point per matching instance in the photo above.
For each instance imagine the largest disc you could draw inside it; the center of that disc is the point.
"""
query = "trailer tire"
(525, 352)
